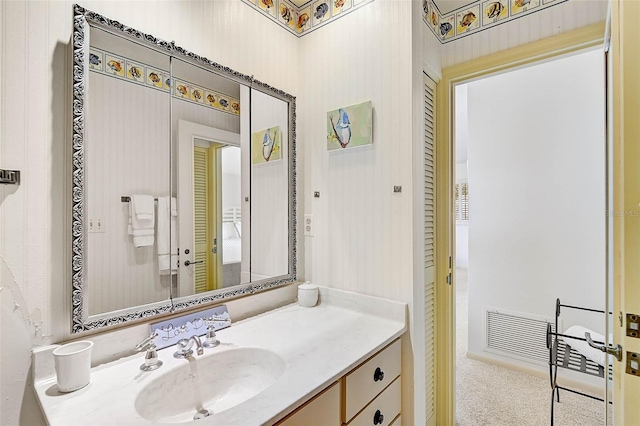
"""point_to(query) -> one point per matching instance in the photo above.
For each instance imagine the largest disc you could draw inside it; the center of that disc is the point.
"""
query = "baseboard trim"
(541, 372)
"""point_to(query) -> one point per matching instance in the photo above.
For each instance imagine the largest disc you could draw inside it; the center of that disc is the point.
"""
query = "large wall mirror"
(184, 185)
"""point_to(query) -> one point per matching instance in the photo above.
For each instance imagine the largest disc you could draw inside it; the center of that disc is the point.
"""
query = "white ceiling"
(446, 6)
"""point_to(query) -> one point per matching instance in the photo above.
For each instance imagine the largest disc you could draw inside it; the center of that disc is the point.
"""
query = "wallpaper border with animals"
(478, 16)
(302, 20)
(118, 66)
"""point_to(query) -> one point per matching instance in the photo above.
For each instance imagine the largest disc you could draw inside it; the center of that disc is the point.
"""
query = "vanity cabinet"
(324, 409)
(370, 394)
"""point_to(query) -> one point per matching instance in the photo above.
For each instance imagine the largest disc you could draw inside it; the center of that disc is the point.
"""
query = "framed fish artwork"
(287, 14)
(303, 20)
(166, 81)
(269, 6)
(434, 18)
(96, 60)
(211, 99)
(135, 72)
(197, 95)
(340, 6)
(114, 65)
(266, 146)
(519, 6)
(494, 11)
(350, 127)
(320, 11)
(446, 28)
(468, 20)
(154, 78)
(181, 89)
(426, 10)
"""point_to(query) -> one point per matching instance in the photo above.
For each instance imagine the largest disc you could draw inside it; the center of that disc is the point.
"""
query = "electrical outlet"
(308, 225)
(96, 225)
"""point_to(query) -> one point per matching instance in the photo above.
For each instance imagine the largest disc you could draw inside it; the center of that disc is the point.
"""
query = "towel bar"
(126, 199)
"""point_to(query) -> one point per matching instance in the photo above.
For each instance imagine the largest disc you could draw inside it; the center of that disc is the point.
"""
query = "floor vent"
(517, 335)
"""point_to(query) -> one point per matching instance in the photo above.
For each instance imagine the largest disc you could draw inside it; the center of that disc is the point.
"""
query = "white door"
(623, 69)
(188, 133)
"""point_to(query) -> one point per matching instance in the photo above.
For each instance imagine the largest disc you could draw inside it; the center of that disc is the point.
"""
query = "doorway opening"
(530, 206)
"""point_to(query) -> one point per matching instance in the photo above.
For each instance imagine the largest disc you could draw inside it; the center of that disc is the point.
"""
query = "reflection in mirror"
(269, 189)
(127, 153)
(184, 184)
(208, 193)
(206, 117)
(231, 236)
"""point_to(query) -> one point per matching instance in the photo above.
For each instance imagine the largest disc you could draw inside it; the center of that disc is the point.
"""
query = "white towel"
(167, 241)
(174, 207)
(141, 220)
(144, 206)
(582, 347)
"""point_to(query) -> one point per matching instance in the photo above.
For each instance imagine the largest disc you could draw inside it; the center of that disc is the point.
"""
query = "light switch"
(96, 225)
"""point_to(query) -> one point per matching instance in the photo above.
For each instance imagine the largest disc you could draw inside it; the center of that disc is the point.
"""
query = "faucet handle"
(148, 342)
(151, 360)
(211, 341)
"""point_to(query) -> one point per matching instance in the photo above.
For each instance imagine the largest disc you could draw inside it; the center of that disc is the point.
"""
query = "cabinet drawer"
(383, 410)
(363, 384)
(323, 410)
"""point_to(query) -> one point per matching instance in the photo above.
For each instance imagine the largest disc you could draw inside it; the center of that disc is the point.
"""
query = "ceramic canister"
(73, 365)
(307, 294)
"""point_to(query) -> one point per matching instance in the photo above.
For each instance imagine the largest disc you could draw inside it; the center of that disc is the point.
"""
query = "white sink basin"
(209, 384)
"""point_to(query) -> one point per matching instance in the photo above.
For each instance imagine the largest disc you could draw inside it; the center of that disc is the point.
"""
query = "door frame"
(565, 43)
(624, 128)
(187, 133)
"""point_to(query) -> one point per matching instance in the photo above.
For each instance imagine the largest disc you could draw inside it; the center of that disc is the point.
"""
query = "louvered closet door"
(429, 240)
(200, 216)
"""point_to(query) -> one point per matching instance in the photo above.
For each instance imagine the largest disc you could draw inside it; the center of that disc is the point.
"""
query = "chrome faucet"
(184, 347)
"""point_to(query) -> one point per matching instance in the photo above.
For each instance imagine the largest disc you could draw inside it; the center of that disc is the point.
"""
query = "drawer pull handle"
(378, 375)
(378, 418)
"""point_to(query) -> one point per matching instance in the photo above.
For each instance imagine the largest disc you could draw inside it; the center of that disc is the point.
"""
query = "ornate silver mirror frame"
(80, 322)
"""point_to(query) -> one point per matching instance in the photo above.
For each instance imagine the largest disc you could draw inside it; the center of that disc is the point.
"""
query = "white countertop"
(318, 345)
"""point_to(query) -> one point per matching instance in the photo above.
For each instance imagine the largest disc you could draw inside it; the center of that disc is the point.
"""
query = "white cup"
(307, 295)
(73, 365)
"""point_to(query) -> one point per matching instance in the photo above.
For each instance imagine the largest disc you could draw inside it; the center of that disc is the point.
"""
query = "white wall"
(536, 163)
(363, 231)
(546, 23)
(36, 136)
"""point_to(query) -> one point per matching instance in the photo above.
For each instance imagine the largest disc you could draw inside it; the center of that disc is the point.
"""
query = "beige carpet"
(487, 394)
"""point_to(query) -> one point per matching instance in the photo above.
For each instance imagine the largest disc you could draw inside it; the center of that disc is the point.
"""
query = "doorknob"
(187, 263)
(611, 350)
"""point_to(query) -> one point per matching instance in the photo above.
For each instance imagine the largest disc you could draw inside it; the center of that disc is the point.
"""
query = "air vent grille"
(517, 335)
